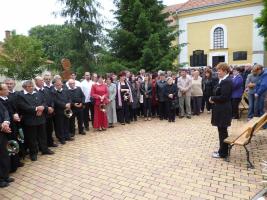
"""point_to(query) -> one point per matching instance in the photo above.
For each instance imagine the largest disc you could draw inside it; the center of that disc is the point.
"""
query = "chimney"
(8, 34)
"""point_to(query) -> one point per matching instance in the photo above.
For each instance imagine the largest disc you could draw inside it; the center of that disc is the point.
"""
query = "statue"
(66, 69)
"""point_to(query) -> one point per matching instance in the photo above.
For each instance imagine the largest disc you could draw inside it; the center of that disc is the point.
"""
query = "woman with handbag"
(124, 99)
(171, 92)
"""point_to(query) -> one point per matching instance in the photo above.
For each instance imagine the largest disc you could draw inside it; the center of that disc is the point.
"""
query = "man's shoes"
(20, 164)
(69, 139)
(82, 133)
(33, 157)
(48, 152)
(188, 117)
(87, 129)
(53, 145)
(9, 180)
(3, 184)
(62, 142)
(181, 117)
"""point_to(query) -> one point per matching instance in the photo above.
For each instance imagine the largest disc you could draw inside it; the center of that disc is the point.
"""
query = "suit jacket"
(12, 97)
(222, 109)
(27, 104)
(160, 90)
(4, 116)
(61, 98)
(147, 92)
(171, 89)
(76, 96)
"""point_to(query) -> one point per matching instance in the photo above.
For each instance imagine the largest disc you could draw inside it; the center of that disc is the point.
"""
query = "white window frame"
(225, 34)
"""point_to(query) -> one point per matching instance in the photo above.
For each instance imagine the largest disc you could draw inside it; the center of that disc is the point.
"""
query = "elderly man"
(47, 78)
(62, 102)
(77, 102)
(46, 94)
(5, 160)
(74, 76)
(184, 86)
(32, 108)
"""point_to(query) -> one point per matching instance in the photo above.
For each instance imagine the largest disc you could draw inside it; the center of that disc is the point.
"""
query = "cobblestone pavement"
(144, 160)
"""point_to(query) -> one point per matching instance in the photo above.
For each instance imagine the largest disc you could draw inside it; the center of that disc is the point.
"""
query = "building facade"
(219, 31)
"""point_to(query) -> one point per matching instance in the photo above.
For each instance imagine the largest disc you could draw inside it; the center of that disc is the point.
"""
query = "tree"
(22, 57)
(83, 15)
(262, 23)
(143, 37)
(58, 41)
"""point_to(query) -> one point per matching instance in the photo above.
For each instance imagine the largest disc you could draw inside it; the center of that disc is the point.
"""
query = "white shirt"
(58, 90)
(37, 88)
(221, 79)
(86, 87)
(4, 98)
(77, 84)
(25, 92)
(48, 86)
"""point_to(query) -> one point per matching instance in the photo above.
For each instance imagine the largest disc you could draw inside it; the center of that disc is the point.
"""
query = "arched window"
(218, 38)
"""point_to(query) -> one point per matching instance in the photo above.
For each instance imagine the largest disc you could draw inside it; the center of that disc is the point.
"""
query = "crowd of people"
(48, 105)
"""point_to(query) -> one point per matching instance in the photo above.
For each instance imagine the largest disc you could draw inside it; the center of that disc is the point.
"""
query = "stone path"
(145, 160)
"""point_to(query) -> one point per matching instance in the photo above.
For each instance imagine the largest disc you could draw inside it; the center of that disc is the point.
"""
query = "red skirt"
(100, 118)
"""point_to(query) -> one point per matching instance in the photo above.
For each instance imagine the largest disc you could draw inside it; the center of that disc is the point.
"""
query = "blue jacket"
(261, 86)
(237, 86)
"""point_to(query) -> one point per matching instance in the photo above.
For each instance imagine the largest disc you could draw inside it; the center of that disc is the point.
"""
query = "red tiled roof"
(196, 4)
(173, 8)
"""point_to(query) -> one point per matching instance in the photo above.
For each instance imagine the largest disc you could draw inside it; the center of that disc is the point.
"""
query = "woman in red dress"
(100, 94)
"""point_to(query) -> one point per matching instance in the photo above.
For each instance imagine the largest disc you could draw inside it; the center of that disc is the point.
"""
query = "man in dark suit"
(47, 96)
(4, 157)
(62, 102)
(77, 102)
(32, 107)
(14, 118)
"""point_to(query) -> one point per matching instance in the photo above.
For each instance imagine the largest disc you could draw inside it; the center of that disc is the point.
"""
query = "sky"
(22, 15)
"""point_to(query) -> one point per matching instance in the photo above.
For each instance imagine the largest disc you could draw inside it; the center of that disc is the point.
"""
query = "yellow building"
(219, 31)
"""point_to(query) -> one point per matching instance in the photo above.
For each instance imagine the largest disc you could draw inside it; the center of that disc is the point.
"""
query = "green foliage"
(22, 57)
(143, 37)
(262, 23)
(58, 42)
(85, 18)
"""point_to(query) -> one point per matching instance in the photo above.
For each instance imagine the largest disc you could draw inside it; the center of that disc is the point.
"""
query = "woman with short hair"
(222, 108)
(111, 107)
(171, 93)
(146, 91)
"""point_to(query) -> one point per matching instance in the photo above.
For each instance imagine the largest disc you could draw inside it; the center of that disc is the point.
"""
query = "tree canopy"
(22, 57)
(262, 23)
(143, 37)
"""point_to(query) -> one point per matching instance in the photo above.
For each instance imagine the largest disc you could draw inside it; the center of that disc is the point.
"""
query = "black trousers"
(88, 107)
(206, 102)
(77, 113)
(154, 110)
(170, 111)
(147, 107)
(223, 133)
(49, 130)
(124, 113)
(196, 105)
(4, 157)
(235, 107)
(35, 136)
(162, 110)
(62, 127)
(133, 114)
